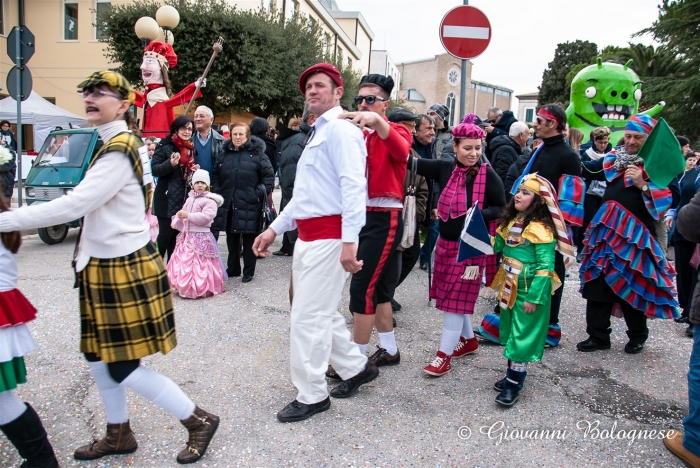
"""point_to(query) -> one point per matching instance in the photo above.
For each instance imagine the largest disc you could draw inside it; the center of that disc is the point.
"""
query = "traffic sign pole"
(18, 64)
(463, 89)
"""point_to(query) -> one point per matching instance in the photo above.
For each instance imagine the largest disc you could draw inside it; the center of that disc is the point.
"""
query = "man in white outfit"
(328, 208)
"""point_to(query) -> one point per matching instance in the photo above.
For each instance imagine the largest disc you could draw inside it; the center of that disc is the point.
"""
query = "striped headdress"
(544, 189)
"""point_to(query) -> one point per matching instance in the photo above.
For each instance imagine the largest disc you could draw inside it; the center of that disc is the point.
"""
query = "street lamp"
(147, 29)
(168, 18)
(162, 34)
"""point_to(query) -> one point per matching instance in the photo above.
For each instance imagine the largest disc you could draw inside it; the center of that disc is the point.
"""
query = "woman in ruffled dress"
(196, 269)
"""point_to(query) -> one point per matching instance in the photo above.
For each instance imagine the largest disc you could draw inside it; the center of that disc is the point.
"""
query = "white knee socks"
(467, 330)
(11, 407)
(388, 341)
(362, 348)
(160, 390)
(113, 394)
(452, 325)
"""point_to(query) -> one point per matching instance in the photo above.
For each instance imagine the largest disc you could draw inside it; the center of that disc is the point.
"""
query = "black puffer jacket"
(514, 171)
(171, 190)
(270, 150)
(504, 152)
(291, 152)
(237, 176)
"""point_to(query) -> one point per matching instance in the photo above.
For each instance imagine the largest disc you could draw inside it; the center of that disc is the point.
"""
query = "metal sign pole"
(463, 88)
(18, 64)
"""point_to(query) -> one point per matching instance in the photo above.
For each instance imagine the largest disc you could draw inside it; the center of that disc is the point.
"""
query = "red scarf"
(186, 154)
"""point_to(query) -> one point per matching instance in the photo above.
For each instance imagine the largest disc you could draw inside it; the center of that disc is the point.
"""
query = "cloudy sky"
(524, 32)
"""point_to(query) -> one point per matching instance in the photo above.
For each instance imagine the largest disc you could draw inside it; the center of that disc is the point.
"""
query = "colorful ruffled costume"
(621, 248)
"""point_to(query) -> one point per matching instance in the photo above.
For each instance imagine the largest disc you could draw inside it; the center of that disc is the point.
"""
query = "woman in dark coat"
(259, 128)
(172, 163)
(243, 175)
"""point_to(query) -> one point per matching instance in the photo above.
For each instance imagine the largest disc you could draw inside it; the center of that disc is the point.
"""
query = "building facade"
(382, 64)
(68, 46)
(438, 80)
(527, 106)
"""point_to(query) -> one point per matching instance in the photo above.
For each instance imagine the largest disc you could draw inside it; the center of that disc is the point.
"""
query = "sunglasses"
(371, 99)
(97, 94)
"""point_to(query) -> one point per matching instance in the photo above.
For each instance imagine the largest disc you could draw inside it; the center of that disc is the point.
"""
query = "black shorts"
(376, 281)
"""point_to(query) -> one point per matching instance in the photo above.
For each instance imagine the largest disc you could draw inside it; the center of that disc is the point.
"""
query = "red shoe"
(440, 365)
(465, 346)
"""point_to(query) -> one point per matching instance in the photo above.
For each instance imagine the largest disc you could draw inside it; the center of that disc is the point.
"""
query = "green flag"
(662, 155)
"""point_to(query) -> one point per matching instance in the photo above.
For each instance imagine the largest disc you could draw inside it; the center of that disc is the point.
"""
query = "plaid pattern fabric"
(658, 200)
(453, 199)
(451, 292)
(129, 144)
(126, 307)
(572, 190)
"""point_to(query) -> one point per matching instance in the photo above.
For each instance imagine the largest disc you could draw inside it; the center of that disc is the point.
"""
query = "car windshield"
(64, 150)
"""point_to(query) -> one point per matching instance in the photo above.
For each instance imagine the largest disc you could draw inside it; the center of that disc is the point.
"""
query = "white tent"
(38, 111)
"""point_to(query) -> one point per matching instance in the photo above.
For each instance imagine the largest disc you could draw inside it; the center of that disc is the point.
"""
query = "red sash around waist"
(323, 227)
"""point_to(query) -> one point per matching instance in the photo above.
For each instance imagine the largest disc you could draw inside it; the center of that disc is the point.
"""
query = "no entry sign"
(465, 32)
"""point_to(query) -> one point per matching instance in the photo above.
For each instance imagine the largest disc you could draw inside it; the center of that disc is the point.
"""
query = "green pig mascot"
(605, 95)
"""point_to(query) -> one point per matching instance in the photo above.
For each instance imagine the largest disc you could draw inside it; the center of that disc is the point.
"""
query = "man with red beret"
(157, 103)
(328, 208)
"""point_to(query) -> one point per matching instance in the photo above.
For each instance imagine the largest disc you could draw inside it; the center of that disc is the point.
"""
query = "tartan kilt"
(126, 306)
(451, 292)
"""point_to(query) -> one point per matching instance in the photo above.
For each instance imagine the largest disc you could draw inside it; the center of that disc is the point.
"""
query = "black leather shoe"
(423, 266)
(690, 331)
(382, 358)
(332, 374)
(508, 396)
(297, 411)
(681, 319)
(395, 306)
(247, 279)
(280, 253)
(634, 348)
(591, 345)
(500, 385)
(347, 388)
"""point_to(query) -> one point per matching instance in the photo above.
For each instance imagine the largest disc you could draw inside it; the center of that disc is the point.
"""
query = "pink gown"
(196, 269)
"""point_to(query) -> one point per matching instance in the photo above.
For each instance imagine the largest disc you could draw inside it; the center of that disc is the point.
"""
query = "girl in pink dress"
(196, 269)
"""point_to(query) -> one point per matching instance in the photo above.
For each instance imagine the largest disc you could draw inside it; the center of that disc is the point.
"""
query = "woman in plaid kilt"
(18, 421)
(126, 308)
(465, 181)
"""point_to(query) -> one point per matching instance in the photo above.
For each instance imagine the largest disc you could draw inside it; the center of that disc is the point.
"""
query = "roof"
(338, 14)
(499, 87)
(38, 111)
(529, 96)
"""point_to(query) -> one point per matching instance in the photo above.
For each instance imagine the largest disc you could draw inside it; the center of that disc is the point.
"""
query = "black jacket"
(514, 172)
(557, 158)
(291, 152)
(171, 189)
(499, 129)
(237, 176)
(441, 170)
(270, 150)
(504, 152)
(688, 226)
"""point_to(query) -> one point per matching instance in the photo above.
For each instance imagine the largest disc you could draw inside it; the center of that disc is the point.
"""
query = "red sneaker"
(465, 346)
(440, 365)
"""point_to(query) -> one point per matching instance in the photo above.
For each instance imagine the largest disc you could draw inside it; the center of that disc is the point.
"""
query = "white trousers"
(319, 334)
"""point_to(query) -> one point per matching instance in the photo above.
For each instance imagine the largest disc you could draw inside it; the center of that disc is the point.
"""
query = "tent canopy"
(38, 111)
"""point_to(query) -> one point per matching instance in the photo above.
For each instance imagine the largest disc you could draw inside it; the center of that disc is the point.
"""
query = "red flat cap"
(326, 68)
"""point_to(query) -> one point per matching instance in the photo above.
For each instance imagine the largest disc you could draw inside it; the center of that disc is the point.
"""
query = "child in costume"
(196, 269)
(531, 229)
(18, 421)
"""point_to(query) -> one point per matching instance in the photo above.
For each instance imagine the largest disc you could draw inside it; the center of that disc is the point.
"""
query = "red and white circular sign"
(465, 32)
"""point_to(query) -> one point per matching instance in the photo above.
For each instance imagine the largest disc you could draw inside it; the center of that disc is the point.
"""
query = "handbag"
(268, 214)
(409, 211)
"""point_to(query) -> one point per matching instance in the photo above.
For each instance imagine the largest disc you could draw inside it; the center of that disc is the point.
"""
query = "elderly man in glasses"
(371, 288)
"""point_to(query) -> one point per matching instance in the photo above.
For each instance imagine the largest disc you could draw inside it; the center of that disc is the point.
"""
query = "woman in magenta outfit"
(196, 269)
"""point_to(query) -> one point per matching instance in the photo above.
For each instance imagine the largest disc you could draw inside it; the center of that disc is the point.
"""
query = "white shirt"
(330, 178)
(8, 269)
(110, 199)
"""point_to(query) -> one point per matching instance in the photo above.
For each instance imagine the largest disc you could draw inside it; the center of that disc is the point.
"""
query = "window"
(472, 85)
(453, 76)
(413, 95)
(450, 103)
(487, 89)
(102, 9)
(500, 92)
(70, 20)
(529, 115)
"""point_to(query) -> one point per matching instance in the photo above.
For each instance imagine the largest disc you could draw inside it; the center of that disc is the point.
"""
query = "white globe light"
(146, 28)
(167, 17)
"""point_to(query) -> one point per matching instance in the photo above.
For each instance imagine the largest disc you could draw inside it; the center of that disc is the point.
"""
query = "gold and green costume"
(528, 262)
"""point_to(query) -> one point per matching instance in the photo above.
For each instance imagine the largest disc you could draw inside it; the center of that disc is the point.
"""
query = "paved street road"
(232, 359)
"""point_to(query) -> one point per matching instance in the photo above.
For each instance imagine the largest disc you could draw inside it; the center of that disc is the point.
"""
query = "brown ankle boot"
(201, 426)
(119, 439)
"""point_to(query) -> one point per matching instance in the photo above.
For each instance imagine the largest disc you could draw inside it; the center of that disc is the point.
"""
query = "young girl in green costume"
(530, 230)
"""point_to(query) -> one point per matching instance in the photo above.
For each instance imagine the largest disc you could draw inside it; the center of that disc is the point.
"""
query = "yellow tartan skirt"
(126, 307)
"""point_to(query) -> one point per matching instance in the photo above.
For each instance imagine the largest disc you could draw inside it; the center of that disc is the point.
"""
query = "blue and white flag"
(474, 239)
